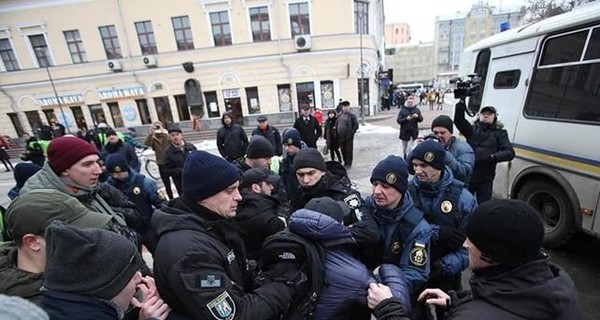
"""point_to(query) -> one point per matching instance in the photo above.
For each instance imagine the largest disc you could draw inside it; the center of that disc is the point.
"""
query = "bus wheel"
(554, 205)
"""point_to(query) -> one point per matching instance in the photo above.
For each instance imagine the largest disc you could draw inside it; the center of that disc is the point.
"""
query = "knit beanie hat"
(443, 121)
(393, 171)
(116, 163)
(92, 262)
(292, 136)
(431, 152)
(329, 207)
(259, 147)
(205, 175)
(17, 308)
(309, 158)
(65, 151)
(506, 231)
(24, 171)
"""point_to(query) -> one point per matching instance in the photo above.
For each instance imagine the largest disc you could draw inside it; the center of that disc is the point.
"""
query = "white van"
(544, 81)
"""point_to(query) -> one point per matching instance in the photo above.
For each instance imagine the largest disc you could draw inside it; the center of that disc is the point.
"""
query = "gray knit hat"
(92, 262)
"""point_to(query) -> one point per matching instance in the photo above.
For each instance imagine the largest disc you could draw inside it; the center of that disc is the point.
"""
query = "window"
(507, 79)
(305, 94)
(299, 18)
(40, 48)
(253, 102)
(212, 103)
(163, 110)
(111, 42)
(221, 30)
(361, 17)
(146, 37)
(142, 105)
(182, 107)
(183, 33)
(567, 92)
(8, 55)
(327, 99)
(259, 21)
(284, 93)
(482, 66)
(75, 45)
(115, 113)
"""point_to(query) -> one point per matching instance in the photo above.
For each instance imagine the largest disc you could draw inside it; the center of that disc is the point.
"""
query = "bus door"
(505, 89)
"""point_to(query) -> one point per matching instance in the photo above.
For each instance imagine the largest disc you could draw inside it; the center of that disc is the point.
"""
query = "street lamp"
(362, 72)
(41, 53)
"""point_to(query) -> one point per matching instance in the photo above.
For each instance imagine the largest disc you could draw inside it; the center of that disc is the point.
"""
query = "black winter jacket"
(309, 132)
(175, 158)
(232, 141)
(201, 271)
(272, 134)
(489, 142)
(409, 128)
(537, 290)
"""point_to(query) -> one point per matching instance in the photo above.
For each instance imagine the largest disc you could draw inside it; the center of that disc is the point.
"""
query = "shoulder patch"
(418, 255)
(222, 307)
(353, 201)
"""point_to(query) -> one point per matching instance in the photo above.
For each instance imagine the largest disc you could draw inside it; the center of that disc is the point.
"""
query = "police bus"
(544, 80)
(413, 87)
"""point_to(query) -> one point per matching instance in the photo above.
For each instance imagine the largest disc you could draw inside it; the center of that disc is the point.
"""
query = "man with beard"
(258, 212)
(115, 145)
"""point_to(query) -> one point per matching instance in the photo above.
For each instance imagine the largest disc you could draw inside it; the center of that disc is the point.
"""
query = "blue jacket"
(145, 197)
(406, 240)
(430, 199)
(346, 278)
(460, 158)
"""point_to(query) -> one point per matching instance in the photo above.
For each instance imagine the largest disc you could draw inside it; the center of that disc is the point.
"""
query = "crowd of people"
(271, 230)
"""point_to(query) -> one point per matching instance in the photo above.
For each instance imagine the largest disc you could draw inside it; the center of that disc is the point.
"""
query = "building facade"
(412, 63)
(128, 63)
(396, 34)
(454, 33)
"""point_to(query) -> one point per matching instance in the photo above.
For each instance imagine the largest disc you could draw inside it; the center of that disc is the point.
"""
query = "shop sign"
(230, 94)
(121, 93)
(67, 99)
(129, 112)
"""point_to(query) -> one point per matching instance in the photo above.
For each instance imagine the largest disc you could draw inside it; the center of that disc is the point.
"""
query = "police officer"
(141, 191)
(447, 206)
(200, 263)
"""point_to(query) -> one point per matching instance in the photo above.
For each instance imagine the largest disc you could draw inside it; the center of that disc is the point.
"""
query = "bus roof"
(581, 15)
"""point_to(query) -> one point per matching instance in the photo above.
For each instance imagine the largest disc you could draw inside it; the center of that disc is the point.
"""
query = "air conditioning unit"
(114, 65)
(302, 42)
(149, 61)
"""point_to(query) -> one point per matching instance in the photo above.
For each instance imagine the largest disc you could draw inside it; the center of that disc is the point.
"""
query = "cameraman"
(491, 145)
(158, 140)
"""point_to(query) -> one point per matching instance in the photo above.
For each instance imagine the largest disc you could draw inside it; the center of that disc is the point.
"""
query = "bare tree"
(536, 10)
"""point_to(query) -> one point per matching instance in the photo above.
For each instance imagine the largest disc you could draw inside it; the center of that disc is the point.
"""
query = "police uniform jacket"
(460, 158)
(141, 191)
(201, 271)
(536, 290)
(405, 241)
(436, 201)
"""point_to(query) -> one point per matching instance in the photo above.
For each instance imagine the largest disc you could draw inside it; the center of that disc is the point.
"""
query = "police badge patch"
(352, 201)
(222, 307)
(390, 178)
(418, 255)
(136, 190)
(429, 156)
(446, 206)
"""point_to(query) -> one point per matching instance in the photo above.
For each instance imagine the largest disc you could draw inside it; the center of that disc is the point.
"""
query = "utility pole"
(362, 72)
(60, 106)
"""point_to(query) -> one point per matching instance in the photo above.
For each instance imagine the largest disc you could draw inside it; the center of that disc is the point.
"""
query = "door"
(233, 105)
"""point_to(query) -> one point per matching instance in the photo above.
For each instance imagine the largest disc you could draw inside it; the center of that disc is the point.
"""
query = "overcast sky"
(420, 14)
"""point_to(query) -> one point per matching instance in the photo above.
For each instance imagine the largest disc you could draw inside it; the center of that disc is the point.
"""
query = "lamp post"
(362, 72)
(60, 106)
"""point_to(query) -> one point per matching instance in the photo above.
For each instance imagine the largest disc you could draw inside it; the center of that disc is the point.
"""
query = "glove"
(437, 271)
(450, 238)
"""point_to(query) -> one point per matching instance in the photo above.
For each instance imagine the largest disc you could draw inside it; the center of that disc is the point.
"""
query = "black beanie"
(116, 163)
(507, 231)
(205, 175)
(443, 121)
(431, 152)
(309, 158)
(329, 207)
(292, 136)
(259, 147)
(393, 171)
(88, 261)
(24, 171)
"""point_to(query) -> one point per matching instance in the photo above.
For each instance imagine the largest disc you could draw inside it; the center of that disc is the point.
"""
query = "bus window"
(507, 79)
(482, 66)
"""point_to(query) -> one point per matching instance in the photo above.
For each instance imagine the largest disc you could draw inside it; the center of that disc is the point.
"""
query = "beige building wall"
(396, 34)
(331, 61)
(412, 63)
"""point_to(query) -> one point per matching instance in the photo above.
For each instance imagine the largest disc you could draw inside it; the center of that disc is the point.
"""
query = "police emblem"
(446, 206)
(161, 194)
(136, 190)
(222, 307)
(117, 169)
(352, 201)
(418, 255)
(428, 157)
(396, 248)
(290, 141)
(391, 178)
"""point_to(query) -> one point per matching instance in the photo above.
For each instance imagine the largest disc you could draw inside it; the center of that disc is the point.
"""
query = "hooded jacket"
(232, 140)
(200, 267)
(537, 290)
(16, 282)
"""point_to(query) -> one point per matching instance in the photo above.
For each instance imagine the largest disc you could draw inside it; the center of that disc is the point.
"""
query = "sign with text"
(114, 94)
(61, 100)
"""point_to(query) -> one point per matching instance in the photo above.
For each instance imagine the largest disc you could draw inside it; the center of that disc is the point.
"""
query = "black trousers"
(347, 148)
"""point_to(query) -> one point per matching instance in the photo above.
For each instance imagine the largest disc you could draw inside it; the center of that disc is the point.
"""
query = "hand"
(451, 238)
(377, 293)
(435, 297)
(154, 308)
(414, 115)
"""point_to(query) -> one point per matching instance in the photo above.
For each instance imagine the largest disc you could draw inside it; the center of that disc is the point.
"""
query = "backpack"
(287, 245)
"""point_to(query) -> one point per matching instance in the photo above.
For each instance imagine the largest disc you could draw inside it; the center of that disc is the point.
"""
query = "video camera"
(466, 87)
